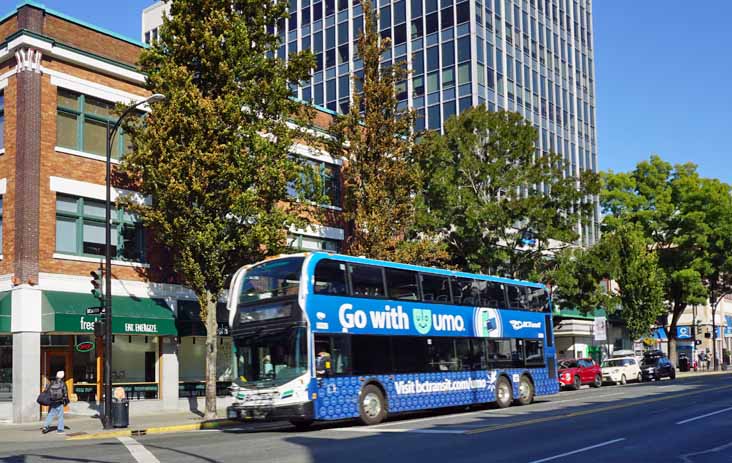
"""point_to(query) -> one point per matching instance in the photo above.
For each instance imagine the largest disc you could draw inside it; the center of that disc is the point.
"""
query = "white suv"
(621, 370)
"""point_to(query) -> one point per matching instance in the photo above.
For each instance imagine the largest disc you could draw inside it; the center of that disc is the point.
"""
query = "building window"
(321, 184)
(81, 124)
(1, 225)
(2, 120)
(80, 229)
(312, 243)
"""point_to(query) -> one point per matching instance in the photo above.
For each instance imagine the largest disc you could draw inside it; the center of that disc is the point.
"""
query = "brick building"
(59, 81)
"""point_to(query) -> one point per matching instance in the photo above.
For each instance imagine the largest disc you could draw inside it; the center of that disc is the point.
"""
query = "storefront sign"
(85, 346)
(600, 329)
(683, 332)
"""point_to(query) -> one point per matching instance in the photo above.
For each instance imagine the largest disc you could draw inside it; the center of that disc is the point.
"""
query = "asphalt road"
(686, 420)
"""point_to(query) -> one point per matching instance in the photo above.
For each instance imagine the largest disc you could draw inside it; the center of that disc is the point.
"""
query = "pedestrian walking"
(58, 397)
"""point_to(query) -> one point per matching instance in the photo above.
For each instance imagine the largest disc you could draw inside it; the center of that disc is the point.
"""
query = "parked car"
(576, 372)
(657, 367)
(621, 370)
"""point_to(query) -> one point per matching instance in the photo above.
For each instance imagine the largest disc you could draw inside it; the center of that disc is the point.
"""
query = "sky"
(663, 76)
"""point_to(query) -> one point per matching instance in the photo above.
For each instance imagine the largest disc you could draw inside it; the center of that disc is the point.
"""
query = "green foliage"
(214, 156)
(635, 269)
(578, 279)
(376, 139)
(216, 181)
(687, 220)
(486, 192)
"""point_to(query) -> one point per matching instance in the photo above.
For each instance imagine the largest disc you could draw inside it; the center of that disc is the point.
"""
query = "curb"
(213, 424)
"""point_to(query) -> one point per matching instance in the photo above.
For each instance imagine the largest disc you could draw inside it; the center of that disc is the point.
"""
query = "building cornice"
(25, 39)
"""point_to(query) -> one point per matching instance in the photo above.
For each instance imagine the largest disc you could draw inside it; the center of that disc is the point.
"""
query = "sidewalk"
(85, 427)
(689, 374)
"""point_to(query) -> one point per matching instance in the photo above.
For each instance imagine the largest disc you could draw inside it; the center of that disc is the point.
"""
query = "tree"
(635, 269)
(620, 274)
(499, 207)
(664, 202)
(577, 279)
(376, 139)
(214, 156)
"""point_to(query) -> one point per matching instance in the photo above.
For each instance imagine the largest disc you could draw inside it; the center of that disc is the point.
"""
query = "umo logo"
(518, 324)
(425, 320)
(395, 318)
(422, 320)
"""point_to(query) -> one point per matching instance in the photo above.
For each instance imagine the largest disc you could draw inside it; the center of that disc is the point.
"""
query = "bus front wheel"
(503, 393)
(371, 405)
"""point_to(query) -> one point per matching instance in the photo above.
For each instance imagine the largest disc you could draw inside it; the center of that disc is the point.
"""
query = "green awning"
(576, 313)
(6, 311)
(66, 313)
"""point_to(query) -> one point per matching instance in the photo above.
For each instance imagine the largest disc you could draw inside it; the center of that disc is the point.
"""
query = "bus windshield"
(274, 278)
(273, 359)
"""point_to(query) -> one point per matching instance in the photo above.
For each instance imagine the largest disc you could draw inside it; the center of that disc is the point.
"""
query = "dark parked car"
(657, 367)
(575, 373)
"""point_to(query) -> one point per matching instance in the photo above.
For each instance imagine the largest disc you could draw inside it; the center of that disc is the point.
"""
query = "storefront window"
(6, 368)
(134, 365)
(192, 361)
(85, 368)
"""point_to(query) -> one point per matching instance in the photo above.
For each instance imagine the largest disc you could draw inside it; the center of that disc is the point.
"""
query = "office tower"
(534, 57)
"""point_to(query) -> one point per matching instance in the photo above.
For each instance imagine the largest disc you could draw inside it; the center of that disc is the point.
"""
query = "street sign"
(95, 310)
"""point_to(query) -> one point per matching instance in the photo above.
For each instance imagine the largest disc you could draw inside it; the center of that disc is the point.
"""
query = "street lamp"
(107, 417)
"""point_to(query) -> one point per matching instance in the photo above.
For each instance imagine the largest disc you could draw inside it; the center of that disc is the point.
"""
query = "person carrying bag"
(57, 396)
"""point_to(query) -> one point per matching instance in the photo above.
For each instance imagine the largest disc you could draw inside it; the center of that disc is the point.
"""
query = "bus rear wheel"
(503, 393)
(526, 391)
(371, 405)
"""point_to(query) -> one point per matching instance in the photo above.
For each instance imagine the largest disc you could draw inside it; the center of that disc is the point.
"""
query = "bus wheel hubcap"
(503, 393)
(371, 405)
(524, 390)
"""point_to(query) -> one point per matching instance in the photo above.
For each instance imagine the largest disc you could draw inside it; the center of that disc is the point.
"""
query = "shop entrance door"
(52, 361)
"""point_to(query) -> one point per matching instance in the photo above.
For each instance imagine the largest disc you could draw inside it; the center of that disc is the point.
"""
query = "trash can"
(120, 413)
(684, 364)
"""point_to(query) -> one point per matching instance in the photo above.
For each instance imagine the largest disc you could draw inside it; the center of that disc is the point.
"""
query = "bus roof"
(319, 255)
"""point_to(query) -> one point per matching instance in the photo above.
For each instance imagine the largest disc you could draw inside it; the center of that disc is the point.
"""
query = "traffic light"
(99, 328)
(698, 329)
(97, 284)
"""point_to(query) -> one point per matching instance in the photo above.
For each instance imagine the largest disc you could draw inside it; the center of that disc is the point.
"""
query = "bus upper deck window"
(330, 278)
(435, 288)
(492, 295)
(367, 280)
(402, 284)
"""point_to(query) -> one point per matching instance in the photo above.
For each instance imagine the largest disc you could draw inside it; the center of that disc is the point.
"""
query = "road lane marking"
(583, 449)
(138, 451)
(686, 458)
(704, 416)
(592, 410)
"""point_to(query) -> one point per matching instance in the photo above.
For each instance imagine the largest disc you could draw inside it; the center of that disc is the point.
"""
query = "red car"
(574, 373)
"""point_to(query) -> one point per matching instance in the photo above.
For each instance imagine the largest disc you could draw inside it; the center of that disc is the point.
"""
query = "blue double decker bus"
(324, 336)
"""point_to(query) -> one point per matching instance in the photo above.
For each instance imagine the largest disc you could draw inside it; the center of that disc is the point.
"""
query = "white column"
(169, 373)
(26, 329)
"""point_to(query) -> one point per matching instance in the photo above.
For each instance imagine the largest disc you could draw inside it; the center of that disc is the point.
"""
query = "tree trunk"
(672, 353)
(211, 351)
